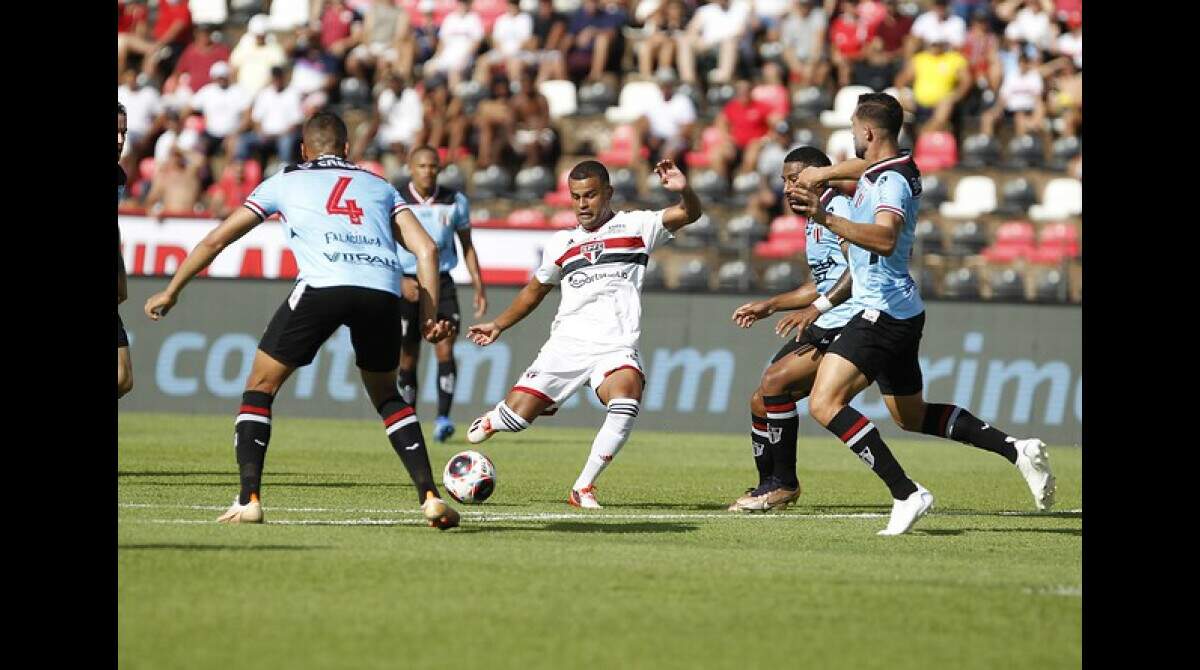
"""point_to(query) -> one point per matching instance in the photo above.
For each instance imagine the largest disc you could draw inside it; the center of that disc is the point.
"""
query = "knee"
(773, 383)
(911, 419)
(823, 406)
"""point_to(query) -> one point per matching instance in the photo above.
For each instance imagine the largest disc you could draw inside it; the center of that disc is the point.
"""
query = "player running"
(774, 422)
(124, 362)
(881, 342)
(444, 214)
(343, 224)
(594, 338)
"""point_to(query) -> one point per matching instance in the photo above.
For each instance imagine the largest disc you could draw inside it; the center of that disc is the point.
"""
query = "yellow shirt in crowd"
(934, 76)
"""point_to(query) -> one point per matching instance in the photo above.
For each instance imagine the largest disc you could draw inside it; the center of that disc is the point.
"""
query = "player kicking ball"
(343, 224)
(881, 343)
(594, 338)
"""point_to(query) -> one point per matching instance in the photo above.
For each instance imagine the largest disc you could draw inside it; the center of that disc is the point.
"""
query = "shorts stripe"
(533, 392)
(862, 421)
(400, 424)
(253, 417)
(627, 367)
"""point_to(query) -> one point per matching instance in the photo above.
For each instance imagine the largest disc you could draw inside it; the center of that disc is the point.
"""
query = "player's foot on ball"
(480, 430)
(438, 513)
(443, 429)
(906, 512)
(584, 497)
(1034, 464)
(251, 512)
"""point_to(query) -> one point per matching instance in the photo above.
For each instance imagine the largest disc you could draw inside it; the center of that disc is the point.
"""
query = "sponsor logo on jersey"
(821, 269)
(580, 279)
(363, 259)
(351, 238)
(592, 250)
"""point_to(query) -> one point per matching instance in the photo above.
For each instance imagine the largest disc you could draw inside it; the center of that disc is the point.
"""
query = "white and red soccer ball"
(469, 477)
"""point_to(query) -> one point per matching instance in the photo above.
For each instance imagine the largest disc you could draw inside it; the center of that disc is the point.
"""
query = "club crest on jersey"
(858, 197)
(592, 250)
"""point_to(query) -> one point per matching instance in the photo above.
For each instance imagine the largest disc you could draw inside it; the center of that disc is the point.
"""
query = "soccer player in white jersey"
(594, 339)
(342, 223)
(881, 342)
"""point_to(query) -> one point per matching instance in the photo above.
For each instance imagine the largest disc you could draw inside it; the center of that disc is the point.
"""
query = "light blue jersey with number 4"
(337, 220)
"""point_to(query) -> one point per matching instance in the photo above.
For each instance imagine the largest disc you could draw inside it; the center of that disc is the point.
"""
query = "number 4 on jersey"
(350, 209)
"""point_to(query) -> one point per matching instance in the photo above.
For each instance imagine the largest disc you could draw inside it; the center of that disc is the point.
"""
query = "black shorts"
(812, 338)
(884, 349)
(410, 330)
(310, 315)
(122, 336)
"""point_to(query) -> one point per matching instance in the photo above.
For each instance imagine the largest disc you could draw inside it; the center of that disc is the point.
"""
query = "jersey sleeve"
(399, 204)
(462, 212)
(550, 272)
(893, 194)
(654, 233)
(264, 200)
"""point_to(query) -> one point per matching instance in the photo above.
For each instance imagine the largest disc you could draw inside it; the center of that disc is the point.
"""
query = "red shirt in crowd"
(846, 37)
(168, 15)
(196, 62)
(870, 15)
(892, 30)
(129, 16)
(977, 48)
(747, 121)
(335, 24)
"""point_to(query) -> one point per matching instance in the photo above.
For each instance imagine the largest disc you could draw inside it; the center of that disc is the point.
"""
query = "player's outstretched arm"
(472, 260)
(526, 301)
(848, 170)
(688, 209)
(878, 236)
(751, 312)
(229, 231)
(410, 233)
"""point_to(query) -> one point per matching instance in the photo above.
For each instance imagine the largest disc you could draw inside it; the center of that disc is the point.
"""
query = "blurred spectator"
(172, 31)
(1032, 24)
(1070, 44)
(981, 48)
(940, 79)
(341, 28)
(421, 41)
(767, 14)
(314, 72)
(1020, 100)
(716, 28)
(875, 70)
(223, 106)
(511, 41)
(871, 13)
(534, 138)
(385, 34)
(176, 185)
(274, 122)
(458, 41)
(132, 17)
(666, 127)
(938, 24)
(744, 121)
(142, 105)
(213, 12)
(397, 121)
(663, 29)
(254, 56)
(893, 28)
(291, 14)
(772, 150)
(848, 39)
(175, 135)
(803, 37)
(230, 191)
(200, 55)
(445, 123)
(966, 9)
(591, 32)
(494, 122)
(1065, 100)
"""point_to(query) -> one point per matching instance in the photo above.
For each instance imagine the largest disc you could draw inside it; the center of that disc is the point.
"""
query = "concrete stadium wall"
(1017, 366)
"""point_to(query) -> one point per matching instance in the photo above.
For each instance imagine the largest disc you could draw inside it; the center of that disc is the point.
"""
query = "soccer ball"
(470, 477)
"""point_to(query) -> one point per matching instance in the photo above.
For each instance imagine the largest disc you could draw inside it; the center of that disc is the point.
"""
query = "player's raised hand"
(808, 201)
(484, 334)
(480, 304)
(672, 179)
(159, 304)
(798, 320)
(747, 314)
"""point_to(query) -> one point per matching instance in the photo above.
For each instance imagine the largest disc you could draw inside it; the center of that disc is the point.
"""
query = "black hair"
(882, 110)
(121, 110)
(325, 132)
(809, 156)
(425, 147)
(589, 169)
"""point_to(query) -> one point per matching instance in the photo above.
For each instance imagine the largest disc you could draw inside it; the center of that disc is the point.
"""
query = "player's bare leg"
(951, 422)
(621, 393)
(447, 376)
(404, 433)
(252, 434)
(124, 371)
(838, 381)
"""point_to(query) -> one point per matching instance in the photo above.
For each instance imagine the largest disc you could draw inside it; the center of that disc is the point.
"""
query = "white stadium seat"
(840, 145)
(636, 97)
(973, 196)
(843, 107)
(1063, 197)
(208, 12)
(289, 14)
(560, 95)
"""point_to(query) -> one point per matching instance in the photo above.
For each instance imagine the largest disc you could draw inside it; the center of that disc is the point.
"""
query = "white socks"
(503, 418)
(612, 436)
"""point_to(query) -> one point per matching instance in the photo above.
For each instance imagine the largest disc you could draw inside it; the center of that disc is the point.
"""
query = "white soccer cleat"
(481, 429)
(1034, 464)
(251, 512)
(438, 513)
(584, 497)
(906, 512)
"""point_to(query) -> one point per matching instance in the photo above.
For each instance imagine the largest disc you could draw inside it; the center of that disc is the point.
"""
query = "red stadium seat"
(935, 151)
(775, 95)
(563, 218)
(444, 155)
(146, 168)
(1048, 256)
(527, 218)
(777, 248)
(620, 152)
(1062, 237)
(709, 140)
(1014, 239)
(788, 227)
(374, 167)
(561, 196)
(252, 172)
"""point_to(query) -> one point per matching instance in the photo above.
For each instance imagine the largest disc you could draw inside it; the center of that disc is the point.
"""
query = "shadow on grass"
(203, 473)
(222, 547)
(1075, 532)
(280, 485)
(637, 528)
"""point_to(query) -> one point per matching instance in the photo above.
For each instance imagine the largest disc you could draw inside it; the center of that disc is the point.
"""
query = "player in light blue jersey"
(343, 224)
(774, 421)
(881, 343)
(445, 215)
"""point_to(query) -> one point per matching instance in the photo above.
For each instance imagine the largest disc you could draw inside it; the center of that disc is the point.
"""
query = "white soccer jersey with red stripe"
(601, 274)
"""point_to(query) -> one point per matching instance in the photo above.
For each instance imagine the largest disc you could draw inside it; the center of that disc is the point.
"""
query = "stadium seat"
(1063, 150)
(526, 218)
(788, 226)
(533, 183)
(745, 186)
(973, 196)
(935, 151)
(561, 195)
(933, 192)
(807, 137)
(780, 277)
(1058, 242)
(967, 239)
(710, 139)
(637, 97)
(653, 278)
(355, 95)
(596, 97)
(709, 185)
(734, 276)
(702, 228)
(843, 107)
(744, 230)
(622, 151)
(693, 276)
(452, 176)
(1062, 198)
(808, 103)
(1024, 152)
(780, 248)
(775, 95)
(962, 284)
(563, 219)
(1051, 286)
(1017, 196)
(1007, 284)
(927, 282)
(146, 169)
(979, 151)
(840, 145)
(718, 96)
(560, 96)
(491, 182)
(1013, 240)
(624, 183)
(929, 237)
(215, 12)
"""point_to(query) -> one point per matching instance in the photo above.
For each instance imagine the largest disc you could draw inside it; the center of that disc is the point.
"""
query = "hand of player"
(436, 331)
(484, 334)
(159, 304)
(813, 177)
(480, 304)
(799, 320)
(808, 202)
(408, 289)
(672, 179)
(747, 314)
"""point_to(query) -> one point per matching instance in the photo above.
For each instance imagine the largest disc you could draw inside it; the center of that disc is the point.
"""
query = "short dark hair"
(121, 110)
(882, 110)
(589, 169)
(810, 156)
(425, 147)
(325, 131)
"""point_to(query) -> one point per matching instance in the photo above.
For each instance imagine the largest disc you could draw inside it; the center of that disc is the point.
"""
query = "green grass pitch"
(342, 575)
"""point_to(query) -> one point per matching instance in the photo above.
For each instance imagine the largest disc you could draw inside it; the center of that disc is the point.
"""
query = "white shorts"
(559, 370)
